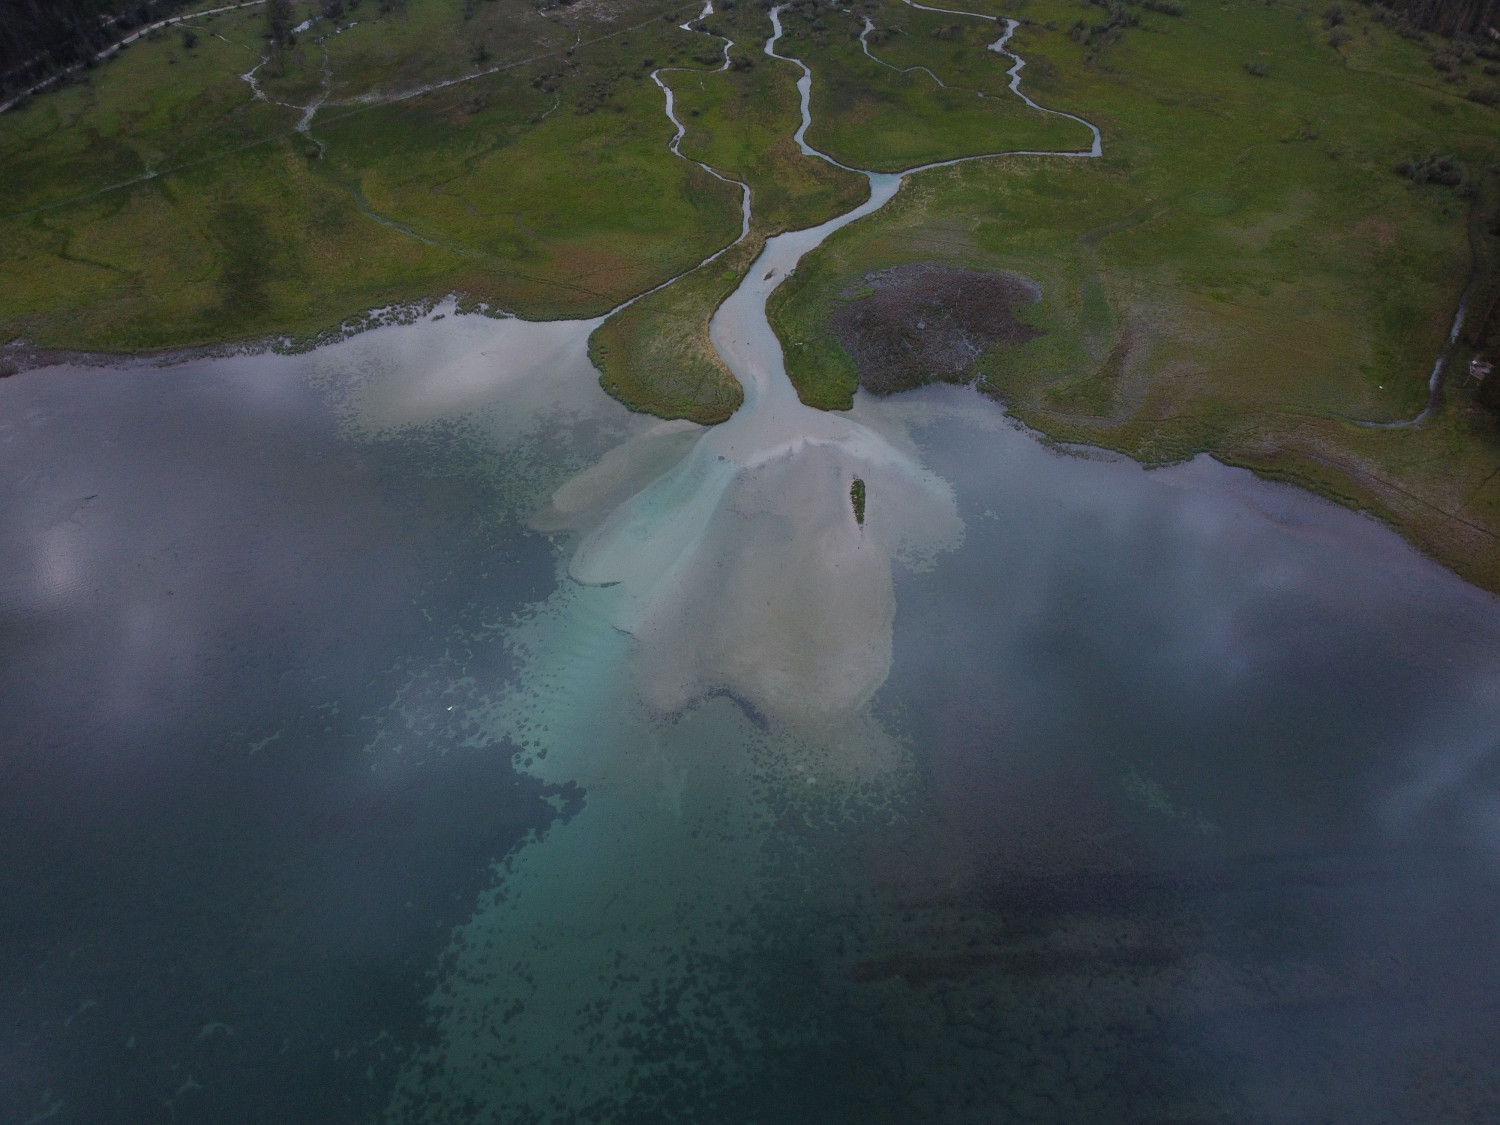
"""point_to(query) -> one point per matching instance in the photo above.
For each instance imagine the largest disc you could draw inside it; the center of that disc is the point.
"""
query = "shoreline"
(1459, 544)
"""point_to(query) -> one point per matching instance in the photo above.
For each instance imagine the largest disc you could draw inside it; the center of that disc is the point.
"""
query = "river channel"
(406, 732)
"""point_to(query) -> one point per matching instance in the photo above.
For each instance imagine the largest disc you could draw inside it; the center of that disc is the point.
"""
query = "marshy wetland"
(442, 724)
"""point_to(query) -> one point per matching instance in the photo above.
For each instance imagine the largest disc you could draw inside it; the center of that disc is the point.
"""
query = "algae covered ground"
(1264, 264)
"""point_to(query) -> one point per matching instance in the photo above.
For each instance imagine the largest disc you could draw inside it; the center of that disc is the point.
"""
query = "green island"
(1266, 262)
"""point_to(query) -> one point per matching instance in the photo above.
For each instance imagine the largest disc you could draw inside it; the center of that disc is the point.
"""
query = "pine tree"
(279, 19)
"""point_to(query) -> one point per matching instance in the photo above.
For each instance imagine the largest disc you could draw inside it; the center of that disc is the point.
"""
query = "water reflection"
(238, 809)
(331, 793)
(1208, 768)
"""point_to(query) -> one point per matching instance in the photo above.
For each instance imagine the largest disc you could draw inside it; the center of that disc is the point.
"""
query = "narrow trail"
(379, 98)
(309, 112)
(349, 105)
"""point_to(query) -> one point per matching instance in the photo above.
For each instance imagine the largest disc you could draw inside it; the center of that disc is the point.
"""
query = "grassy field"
(1243, 273)
(160, 203)
(869, 115)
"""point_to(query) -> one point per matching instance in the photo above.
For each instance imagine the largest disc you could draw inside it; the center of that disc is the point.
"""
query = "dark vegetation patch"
(1435, 169)
(41, 38)
(1467, 45)
(1446, 17)
(916, 324)
(1118, 17)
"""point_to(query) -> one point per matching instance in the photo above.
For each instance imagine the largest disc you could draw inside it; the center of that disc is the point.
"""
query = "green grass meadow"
(136, 198)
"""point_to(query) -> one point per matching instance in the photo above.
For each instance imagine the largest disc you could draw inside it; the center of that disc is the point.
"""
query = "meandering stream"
(828, 653)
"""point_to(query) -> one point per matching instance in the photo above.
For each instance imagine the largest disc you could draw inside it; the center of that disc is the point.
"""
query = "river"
(406, 732)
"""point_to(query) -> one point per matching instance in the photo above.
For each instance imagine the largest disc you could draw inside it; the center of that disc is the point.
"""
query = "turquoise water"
(358, 768)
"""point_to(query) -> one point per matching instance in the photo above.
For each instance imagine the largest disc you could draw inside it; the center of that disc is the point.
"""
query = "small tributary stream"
(739, 330)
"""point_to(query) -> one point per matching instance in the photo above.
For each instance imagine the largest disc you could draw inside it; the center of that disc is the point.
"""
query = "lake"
(403, 731)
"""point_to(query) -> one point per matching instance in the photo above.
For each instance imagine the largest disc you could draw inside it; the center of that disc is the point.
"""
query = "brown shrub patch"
(922, 323)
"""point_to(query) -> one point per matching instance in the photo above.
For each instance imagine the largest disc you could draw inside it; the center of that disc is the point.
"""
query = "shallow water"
(346, 780)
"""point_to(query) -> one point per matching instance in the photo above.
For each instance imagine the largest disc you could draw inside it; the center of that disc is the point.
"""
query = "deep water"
(340, 782)
(237, 815)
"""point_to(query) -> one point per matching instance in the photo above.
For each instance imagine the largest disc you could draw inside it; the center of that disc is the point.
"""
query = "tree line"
(1449, 17)
(40, 38)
